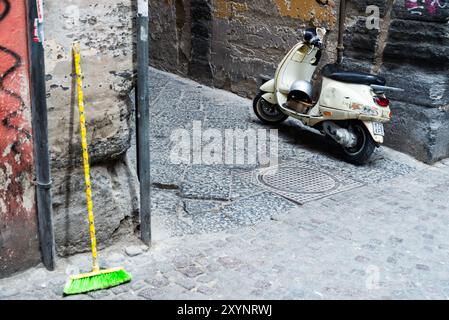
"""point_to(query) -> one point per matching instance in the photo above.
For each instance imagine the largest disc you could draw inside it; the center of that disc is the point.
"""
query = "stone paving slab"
(207, 182)
(386, 241)
(167, 176)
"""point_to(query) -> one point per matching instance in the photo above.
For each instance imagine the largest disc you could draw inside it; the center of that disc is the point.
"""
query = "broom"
(97, 279)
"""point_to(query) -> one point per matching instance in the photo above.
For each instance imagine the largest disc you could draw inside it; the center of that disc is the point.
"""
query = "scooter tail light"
(381, 101)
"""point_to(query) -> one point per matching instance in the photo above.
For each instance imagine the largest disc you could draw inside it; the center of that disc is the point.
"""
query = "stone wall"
(412, 51)
(106, 32)
(19, 244)
(227, 44)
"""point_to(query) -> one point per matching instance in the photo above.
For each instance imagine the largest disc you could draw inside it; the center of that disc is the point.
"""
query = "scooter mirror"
(321, 32)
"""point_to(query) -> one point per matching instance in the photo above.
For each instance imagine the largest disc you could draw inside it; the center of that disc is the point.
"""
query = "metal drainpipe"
(40, 132)
(341, 31)
(143, 120)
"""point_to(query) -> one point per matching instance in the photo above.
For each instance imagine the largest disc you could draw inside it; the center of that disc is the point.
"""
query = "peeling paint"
(2, 204)
(306, 10)
(7, 150)
(19, 247)
(225, 9)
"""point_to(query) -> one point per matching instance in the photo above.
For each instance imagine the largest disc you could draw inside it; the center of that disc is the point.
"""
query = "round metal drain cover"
(298, 180)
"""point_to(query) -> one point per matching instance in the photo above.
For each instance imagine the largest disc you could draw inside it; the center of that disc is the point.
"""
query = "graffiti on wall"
(11, 62)
(17, 210)
(15, 141)
(420, 7)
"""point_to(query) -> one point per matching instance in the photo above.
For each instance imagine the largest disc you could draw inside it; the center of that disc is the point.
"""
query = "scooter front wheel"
(364, 148)
(267, 113)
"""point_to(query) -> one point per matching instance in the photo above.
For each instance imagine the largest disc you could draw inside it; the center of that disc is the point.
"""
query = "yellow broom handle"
(79, 85)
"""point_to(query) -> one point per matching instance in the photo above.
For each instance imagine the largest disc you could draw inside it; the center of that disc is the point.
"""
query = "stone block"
(113, 206)
(421, 132)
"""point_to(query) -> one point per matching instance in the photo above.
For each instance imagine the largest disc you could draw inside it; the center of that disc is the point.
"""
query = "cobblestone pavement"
(218, 235)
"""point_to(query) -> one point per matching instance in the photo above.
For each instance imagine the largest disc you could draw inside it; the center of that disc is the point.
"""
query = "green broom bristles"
(96, 281)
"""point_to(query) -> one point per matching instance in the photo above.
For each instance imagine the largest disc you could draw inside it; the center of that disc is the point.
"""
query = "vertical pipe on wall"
(40, 132)
(341, 32)
(143, 120)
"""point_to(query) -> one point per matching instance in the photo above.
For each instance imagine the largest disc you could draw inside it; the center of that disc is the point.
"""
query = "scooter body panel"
(338, 101)
(268, 86)
(298, 64)
(270, 97)
(370, 126)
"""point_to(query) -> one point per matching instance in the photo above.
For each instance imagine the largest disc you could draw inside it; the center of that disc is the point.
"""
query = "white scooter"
(351, 107)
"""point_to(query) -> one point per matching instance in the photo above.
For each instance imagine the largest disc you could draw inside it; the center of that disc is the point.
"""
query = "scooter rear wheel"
(362, 151)
(267, 113)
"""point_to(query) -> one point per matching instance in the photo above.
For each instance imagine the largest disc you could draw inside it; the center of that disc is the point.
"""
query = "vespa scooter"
(351, 108)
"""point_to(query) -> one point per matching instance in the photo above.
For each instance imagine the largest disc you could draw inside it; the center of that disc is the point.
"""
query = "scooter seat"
(334, 72)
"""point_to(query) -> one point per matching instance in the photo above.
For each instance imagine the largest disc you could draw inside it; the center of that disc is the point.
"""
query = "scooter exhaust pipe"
(341, 135)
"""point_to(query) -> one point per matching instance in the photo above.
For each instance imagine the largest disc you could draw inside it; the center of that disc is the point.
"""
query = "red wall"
(18, 226)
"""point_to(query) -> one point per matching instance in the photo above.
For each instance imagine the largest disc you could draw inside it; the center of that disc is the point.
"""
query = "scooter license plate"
(378, 129)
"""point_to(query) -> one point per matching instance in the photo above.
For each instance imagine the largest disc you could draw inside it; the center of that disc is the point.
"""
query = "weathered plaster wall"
(229, 43)
(19, 246)
(106, 32)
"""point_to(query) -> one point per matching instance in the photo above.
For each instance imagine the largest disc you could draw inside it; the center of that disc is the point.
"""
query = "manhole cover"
(301, 182)
(298, 180)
